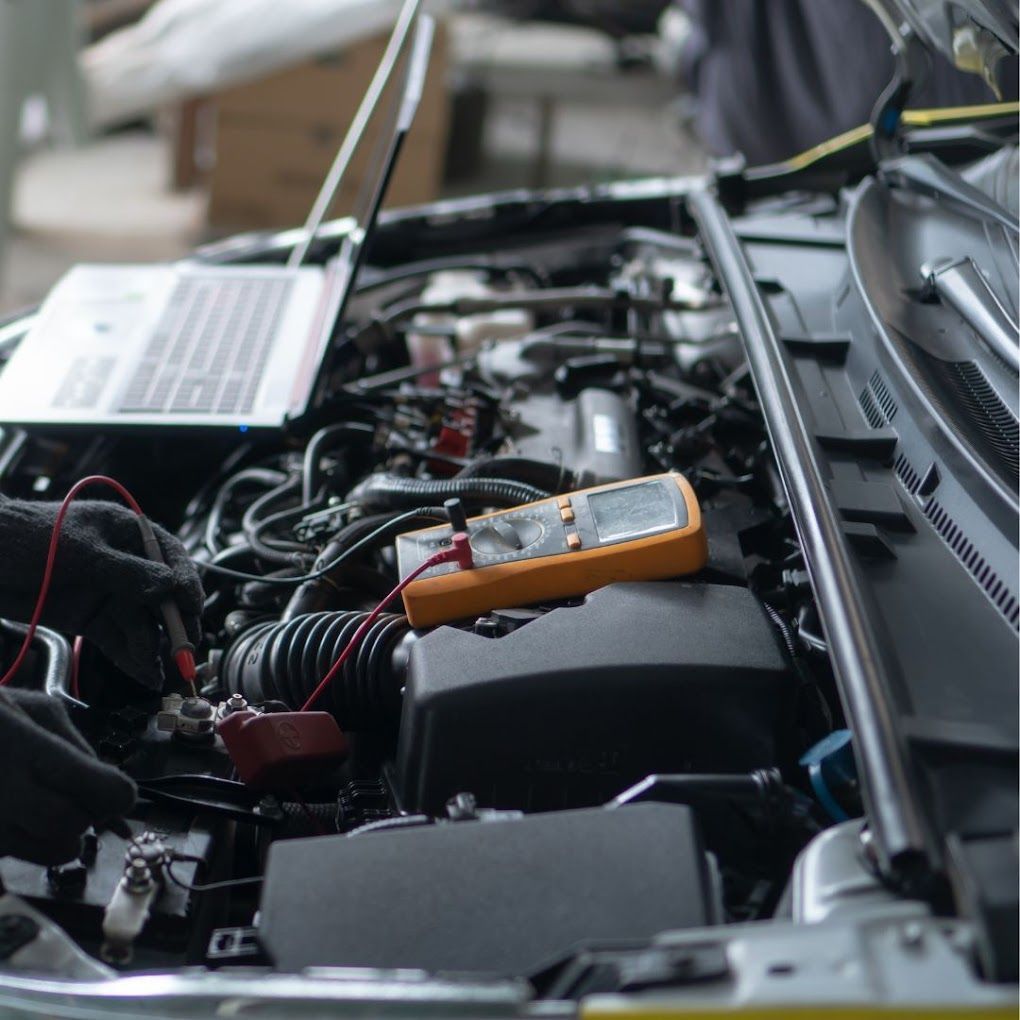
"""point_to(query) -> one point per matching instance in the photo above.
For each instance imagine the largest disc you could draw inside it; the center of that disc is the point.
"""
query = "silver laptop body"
(190, 344)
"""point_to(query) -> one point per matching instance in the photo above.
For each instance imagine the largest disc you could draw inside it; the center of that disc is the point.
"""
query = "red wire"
(51, 556)
(440, 557)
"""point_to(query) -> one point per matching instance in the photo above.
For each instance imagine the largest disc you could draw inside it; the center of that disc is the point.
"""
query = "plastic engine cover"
(595, 435)
(575, 706)
(436, 897)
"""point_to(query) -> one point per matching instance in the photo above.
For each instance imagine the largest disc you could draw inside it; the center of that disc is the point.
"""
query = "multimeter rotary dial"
(504, 536)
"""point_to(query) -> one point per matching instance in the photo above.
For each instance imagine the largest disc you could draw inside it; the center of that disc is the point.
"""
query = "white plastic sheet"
(184, 48)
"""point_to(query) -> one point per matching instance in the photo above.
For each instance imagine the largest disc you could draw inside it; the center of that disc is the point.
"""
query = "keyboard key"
(210, 348)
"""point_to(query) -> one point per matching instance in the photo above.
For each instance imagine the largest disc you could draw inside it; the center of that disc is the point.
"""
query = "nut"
(137, 875)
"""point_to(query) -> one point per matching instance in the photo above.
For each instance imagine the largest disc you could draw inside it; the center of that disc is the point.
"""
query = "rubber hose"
(317, 446)
(250, 476)
(309, 819)
(551, 477)
(318, 595)
(252, 518)
(285, 661)
(392, 492)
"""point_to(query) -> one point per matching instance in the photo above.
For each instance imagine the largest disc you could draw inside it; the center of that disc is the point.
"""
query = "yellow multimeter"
(644, 529)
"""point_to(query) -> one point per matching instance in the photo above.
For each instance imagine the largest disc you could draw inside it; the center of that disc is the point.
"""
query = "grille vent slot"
(872, 414)
(884, 397)
(907, 475)
(988, 412)
(977, 566)
(877, 403)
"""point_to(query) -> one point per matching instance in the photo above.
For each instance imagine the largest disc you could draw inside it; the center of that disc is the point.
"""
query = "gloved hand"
(103, 586)
(53, 785)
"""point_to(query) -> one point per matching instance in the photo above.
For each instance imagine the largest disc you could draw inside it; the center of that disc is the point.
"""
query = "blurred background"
(136, 140)
(132, 130)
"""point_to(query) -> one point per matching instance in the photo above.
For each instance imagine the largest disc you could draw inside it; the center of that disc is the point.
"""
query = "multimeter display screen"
(632, 510)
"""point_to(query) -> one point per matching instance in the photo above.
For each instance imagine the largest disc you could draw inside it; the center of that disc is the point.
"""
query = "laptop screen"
(400, 110)
(396, 91)
(396, 88)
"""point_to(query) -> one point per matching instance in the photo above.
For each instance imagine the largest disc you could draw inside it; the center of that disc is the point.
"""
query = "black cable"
(431, 512)
(317, 447)
(295, 513)
(807, 681)
(376, 530)
(229, 883)
(283, 552)
(254, 476)
(427, 267)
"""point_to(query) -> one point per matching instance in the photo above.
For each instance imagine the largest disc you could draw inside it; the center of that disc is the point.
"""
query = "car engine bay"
(591, 367)
(535, 791)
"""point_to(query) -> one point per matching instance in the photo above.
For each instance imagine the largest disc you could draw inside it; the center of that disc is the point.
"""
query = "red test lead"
(458, 552)
(278, 750)
(182, 649)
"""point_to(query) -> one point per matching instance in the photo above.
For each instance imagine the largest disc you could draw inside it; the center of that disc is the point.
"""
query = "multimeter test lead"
(182, 649)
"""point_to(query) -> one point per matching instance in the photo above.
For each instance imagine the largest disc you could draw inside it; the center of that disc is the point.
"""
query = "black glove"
(103, 587)
(53, 786)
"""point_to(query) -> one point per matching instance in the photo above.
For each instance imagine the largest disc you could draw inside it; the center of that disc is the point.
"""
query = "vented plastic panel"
(988, 413)
(1000, 593)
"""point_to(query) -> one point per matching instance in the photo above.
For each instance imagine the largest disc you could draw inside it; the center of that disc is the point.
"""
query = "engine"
(502, 735)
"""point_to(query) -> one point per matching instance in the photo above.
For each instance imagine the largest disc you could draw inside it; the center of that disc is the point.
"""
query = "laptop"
(237, 346)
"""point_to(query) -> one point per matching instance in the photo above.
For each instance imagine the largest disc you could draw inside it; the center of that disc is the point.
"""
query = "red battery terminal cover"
(282, 750)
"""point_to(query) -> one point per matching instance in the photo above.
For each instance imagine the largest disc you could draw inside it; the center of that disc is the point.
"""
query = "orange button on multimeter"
(645, 529)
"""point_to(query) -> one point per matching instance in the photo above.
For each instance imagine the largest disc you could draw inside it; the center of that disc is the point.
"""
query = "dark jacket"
(774, 77)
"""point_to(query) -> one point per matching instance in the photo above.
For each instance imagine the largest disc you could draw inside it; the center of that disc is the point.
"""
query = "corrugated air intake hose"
(285, 661)
(394, 492)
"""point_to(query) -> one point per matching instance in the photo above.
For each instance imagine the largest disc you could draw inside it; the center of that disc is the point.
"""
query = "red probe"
(458, 552)
(182, 649)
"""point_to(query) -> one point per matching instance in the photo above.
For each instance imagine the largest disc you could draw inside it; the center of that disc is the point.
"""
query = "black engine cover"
(580, 703)
(441, 898)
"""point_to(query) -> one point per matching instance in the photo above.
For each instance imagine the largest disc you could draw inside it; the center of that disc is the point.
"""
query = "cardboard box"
(276, 138)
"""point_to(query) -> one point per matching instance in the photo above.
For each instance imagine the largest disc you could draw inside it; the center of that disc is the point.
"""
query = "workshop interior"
(509, 509)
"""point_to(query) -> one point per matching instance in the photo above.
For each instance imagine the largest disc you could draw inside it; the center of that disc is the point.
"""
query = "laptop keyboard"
(210, 348)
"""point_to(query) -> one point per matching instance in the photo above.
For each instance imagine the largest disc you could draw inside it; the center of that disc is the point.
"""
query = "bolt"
(196, 719)
(912, 935)
(137, 875)
(235, 703)
(462, 807)
(867, 838)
